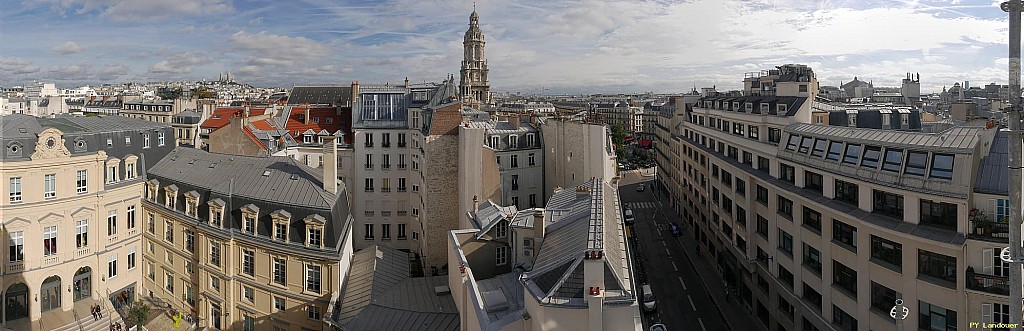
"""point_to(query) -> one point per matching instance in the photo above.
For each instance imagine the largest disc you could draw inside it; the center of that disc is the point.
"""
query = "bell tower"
(474, 87)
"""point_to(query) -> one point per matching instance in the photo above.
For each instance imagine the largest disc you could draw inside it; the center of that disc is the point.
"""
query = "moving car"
(648, 298)
(640, 188)
(676, 230)
(628, 216)
(659, 327)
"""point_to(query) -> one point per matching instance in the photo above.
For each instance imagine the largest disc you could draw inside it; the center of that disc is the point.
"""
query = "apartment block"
(72, 213)
(824, 227)
(244, 241)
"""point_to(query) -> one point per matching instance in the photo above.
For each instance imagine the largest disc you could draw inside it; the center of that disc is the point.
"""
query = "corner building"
(71, 214)
(819, 227)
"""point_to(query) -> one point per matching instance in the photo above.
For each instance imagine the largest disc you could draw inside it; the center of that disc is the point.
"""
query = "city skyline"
(551, 47)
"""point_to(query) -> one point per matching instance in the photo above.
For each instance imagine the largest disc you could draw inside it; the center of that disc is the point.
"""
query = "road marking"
(667, 252)
(663, 243)
(675, 267)
(701, 324)
(681, 281)
(688, 297)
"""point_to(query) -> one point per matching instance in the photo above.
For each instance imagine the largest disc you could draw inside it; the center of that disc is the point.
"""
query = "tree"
(138, 313)
(618, 135)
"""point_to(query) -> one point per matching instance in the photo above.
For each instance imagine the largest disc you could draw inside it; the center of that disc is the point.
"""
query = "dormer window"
(192, 203)
(330, 120)
(129, 163)
(531, 140)
(249, 215)
(216, 212)
(112, 173)
(495, 141)
(281, 219)
(315, 231)
(501, 229)
(307, 139)
(513, 141)
(764, 108)
(782, 109)
(736, 106)
(170, 196)
(151, 189)
(749, 107)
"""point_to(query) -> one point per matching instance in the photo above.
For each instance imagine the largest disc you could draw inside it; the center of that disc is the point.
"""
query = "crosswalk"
(643, 205)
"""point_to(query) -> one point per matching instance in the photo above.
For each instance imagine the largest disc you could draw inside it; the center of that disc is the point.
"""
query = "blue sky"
(532, 45)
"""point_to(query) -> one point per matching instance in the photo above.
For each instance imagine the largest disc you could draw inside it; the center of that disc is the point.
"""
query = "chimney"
(330, 151)
(307, 113)
(406, 81)
(355, 93)
(476, 202)
(515, 121)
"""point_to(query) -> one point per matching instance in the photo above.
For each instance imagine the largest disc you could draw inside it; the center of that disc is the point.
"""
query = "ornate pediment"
(50, 145)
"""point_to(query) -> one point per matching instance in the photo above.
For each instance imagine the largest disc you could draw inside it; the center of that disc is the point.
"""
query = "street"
(683, 303)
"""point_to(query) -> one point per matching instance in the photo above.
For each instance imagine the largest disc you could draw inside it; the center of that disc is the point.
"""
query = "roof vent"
(22, 130)
(266, 173)
(294, 177)
(192, 162)
(442, 290)
(212, 165)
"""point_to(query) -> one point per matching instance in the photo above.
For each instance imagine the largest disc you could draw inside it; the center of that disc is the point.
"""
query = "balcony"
(984, 229)
(402, 212)
(385, 189)
(385, 145)
(368, 166)
(385, 213)
(368, 213)
(401, 167)
(401, 144)
(14, 267)
(385, 166)
(401, 189)
(988, 283)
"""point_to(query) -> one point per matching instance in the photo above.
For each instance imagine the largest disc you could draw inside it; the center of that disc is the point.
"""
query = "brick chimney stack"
(355, 93)
(306, 119)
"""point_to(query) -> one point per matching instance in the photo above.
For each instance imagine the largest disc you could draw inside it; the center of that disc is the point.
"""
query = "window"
(787, 173)
(812, 219)
(385, 231)
(785, 207)
(741, 187)
(805, 145)
(785, 307)
(748, 158)
(248, 323)
(843, 320)
(513, 141)
(215, 254)
(112, 174)
(248, 262)
(249, 224)
(939, 214)
(279, 304)
(846, 192)
(774, 135)
(887, 251)
(917, 162)
(81, 185)
(932, 317)
(247, 293)
(844, 277)
(50, 240)
(131, 258)
(762, 226)
(50, 186)
(741, 216)
(762, 163)
(169, 282)
(812, 258)
(813, 181)
(160, 138)
(15, 186)
(385, 140)
(889, 204)
(16, 246)
(852, 154)
(762, 195)
(145, 140)
(281, 231)
(893, 160)
(312, 278)
(871, 156)
(942, 166)
(112, 266)
(835, 148)
(515, 181)
(752, 132)
(786, 277)
(131, 217)
(501, 255)
(936, 265)
(81, 233)
(315, 235)
(844, 233)
(215, 283)
(812, 296)
(995, 313)
(369, 161)
(819, 147)
(280, 273)
(169, 231)
(495, 142)
(533, 200)
(883, 298)
(112, 223)
(531, 159)
(794, 140)
(313, 312)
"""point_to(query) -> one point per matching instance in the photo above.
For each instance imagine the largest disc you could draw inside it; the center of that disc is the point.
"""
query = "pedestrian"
(726, 294)
(93, 311)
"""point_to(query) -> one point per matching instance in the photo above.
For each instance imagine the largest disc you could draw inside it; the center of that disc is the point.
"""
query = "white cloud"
(133, 10)
(181, 63)
(69, 47)
(266, 49)
(17, 66)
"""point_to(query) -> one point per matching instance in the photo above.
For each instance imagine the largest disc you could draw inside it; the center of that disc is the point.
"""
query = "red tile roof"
(343, 122)
(252, 137)
(222, 116)
(264, 125)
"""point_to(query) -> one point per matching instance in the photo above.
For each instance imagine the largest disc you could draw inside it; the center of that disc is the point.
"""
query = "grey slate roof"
(792, 103)
(957, 139)
(993, 170)
(321, 95)
(380, 295)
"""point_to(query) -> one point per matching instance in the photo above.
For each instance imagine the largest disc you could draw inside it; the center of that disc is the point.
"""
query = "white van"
(628, 216)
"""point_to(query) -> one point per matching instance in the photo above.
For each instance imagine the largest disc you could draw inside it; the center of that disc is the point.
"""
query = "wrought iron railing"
(988, 283)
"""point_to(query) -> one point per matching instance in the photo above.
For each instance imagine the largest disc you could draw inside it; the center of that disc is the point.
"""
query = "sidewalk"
(731, 311)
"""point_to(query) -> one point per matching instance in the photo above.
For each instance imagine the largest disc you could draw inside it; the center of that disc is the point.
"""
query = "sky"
(533, 46)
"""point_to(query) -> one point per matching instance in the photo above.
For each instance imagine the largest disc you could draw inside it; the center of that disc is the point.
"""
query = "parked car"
(641, 187)
(659, 327)
(628, 216)
(676, 230)
(648, 298)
